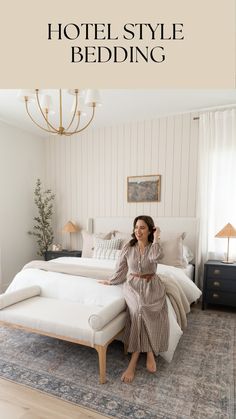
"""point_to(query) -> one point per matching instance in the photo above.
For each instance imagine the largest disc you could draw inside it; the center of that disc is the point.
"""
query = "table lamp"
(227, 232)
(70, 227)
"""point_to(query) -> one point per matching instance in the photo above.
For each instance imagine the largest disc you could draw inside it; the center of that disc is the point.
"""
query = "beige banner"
(119, 44)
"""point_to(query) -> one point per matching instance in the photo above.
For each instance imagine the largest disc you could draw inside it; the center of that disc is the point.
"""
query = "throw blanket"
(65, 268)
(178, 299)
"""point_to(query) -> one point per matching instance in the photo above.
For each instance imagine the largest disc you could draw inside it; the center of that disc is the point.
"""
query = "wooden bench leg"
(102, 354)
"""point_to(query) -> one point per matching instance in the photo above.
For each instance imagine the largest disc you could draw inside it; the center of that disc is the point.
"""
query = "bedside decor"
(227, 231)
(70, 228)
(56, 247)
(219, 284)
(144, 188)
(54, 254)
(42, 230)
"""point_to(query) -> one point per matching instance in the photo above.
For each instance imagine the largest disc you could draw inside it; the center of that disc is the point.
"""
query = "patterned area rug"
(199, 382)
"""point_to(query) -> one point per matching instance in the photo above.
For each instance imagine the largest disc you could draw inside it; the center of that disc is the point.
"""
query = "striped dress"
(147, 325)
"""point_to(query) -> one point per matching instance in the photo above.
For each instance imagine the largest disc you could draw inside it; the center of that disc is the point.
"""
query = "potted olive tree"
(42, 229)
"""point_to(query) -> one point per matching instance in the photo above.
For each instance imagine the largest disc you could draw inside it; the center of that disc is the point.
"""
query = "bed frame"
(10, 311)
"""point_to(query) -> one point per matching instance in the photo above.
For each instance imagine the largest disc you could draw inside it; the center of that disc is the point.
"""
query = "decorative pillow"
(125, 237)
(107, 249)
(188, 254)
(172, 249)
(88, 242)
(13, 297)
(111, 254)
(98, 320)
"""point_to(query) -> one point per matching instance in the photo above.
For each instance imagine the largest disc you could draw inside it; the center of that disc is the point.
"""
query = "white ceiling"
(122, 105)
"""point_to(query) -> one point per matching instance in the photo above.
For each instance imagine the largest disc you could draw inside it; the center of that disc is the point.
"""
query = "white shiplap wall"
(88, 172)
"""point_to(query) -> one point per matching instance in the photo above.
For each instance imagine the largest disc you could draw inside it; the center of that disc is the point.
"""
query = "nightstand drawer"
(221, 272)
(219, 297)
(221, 284)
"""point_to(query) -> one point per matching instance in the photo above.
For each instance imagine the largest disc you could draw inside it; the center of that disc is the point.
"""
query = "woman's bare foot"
(128, 375)
(151, 363)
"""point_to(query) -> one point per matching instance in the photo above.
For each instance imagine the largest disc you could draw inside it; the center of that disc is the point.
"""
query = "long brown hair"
(150, 223)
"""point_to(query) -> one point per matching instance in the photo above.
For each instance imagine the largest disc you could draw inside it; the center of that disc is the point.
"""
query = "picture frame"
(145, 188)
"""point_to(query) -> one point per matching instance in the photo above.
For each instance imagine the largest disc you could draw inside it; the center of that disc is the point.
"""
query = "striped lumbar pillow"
(107, 249)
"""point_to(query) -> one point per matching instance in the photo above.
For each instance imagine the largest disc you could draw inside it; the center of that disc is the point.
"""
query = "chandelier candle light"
(70, 228)
(90, 98)
(227, 231)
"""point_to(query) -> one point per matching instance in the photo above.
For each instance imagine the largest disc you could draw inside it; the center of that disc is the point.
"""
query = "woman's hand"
(156, 234)
(104, 281)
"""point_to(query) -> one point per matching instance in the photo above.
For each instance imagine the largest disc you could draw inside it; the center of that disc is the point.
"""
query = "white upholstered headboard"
(189, 225)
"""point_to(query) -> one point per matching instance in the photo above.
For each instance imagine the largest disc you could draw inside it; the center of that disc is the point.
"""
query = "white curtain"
(217, 182)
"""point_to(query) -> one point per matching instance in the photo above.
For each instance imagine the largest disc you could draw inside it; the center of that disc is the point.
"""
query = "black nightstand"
(53, 254)
(219, 284)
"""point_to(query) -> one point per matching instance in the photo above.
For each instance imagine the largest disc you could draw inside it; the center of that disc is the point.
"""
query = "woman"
(147, 326)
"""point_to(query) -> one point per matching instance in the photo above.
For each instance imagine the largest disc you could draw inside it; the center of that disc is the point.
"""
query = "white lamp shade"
(46, 103)
(72, 91)
(30, 94)
(81, 105)
(92, 96)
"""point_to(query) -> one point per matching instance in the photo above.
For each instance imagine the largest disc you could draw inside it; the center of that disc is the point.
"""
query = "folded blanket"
(178, 299)
(87, 271)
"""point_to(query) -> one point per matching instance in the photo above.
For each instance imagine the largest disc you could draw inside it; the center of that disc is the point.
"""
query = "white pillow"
(188, 254)
(109, 254)
(88, 242)
(107, 249)
(125, 237)
(13, 297)
(106, 314)
(172, 249)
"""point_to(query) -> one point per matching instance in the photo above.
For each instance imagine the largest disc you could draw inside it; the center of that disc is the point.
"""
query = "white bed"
(190, 271)
(87, 291)
(83, 310)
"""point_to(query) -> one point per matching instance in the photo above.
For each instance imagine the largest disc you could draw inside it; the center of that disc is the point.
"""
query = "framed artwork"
(144, 188)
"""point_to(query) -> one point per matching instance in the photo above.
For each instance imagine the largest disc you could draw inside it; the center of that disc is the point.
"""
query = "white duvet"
(88, 291)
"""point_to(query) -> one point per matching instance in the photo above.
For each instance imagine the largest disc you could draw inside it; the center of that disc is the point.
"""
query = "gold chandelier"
(91, 98)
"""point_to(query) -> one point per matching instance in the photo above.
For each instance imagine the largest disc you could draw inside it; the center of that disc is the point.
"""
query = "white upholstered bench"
(89, 325)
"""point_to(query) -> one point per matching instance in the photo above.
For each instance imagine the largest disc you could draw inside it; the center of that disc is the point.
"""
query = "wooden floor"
(20, 402)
